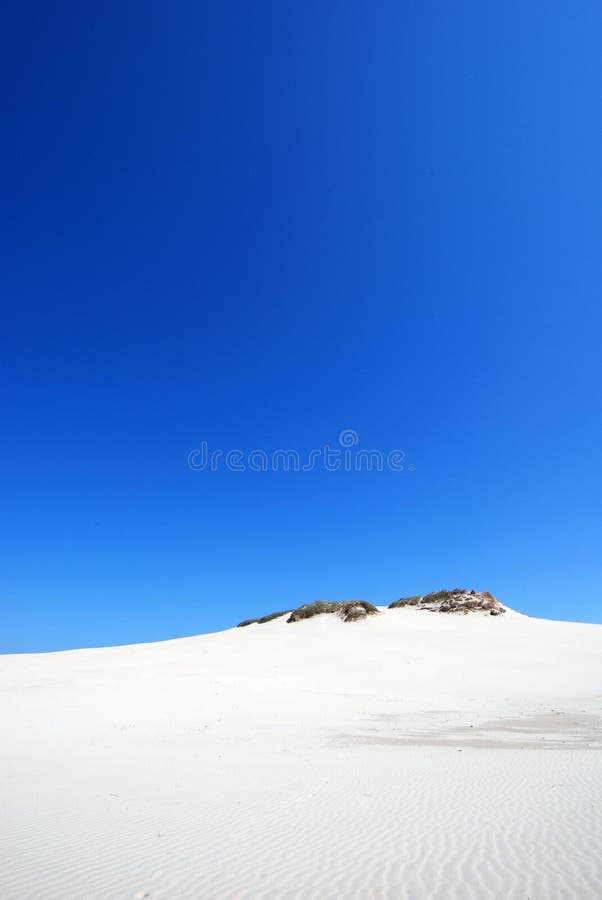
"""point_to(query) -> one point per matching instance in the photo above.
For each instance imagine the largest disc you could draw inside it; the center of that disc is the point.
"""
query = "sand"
(412, 755)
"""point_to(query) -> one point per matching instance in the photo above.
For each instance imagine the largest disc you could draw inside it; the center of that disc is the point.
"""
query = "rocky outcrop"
(456, 601)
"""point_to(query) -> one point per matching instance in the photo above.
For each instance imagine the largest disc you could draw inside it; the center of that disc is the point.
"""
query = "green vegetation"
(433, 597)
(312, 609)
(405, 601)
(263, 619)
(349, 611)
(271, 616)
(457, 601)
(441, 596)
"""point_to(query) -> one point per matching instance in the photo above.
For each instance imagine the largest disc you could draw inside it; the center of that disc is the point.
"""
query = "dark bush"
(456, 601)
(308, 610)
(263, 619)
(271, 616)
(440, 596)
(405, 601)
(348, 610)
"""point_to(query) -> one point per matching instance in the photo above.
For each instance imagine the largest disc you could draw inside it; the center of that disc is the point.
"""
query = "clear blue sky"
(258, 224)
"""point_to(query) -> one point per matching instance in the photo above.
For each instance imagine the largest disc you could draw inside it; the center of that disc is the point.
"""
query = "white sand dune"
(411, 755)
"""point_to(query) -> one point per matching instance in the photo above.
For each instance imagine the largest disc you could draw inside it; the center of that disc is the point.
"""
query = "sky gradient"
(257, 225)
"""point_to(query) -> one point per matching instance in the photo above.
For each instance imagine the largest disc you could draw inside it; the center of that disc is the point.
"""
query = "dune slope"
(412, 754)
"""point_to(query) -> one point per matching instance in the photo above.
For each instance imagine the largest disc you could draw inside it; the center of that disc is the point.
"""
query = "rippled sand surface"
(409, 755)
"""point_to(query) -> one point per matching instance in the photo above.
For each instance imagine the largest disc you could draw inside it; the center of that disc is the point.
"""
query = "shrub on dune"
(405, 601)
(348, 610)
(457, 601)
(263, 619)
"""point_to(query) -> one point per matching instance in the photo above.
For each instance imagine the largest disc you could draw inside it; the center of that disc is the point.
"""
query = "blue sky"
(257, 225)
